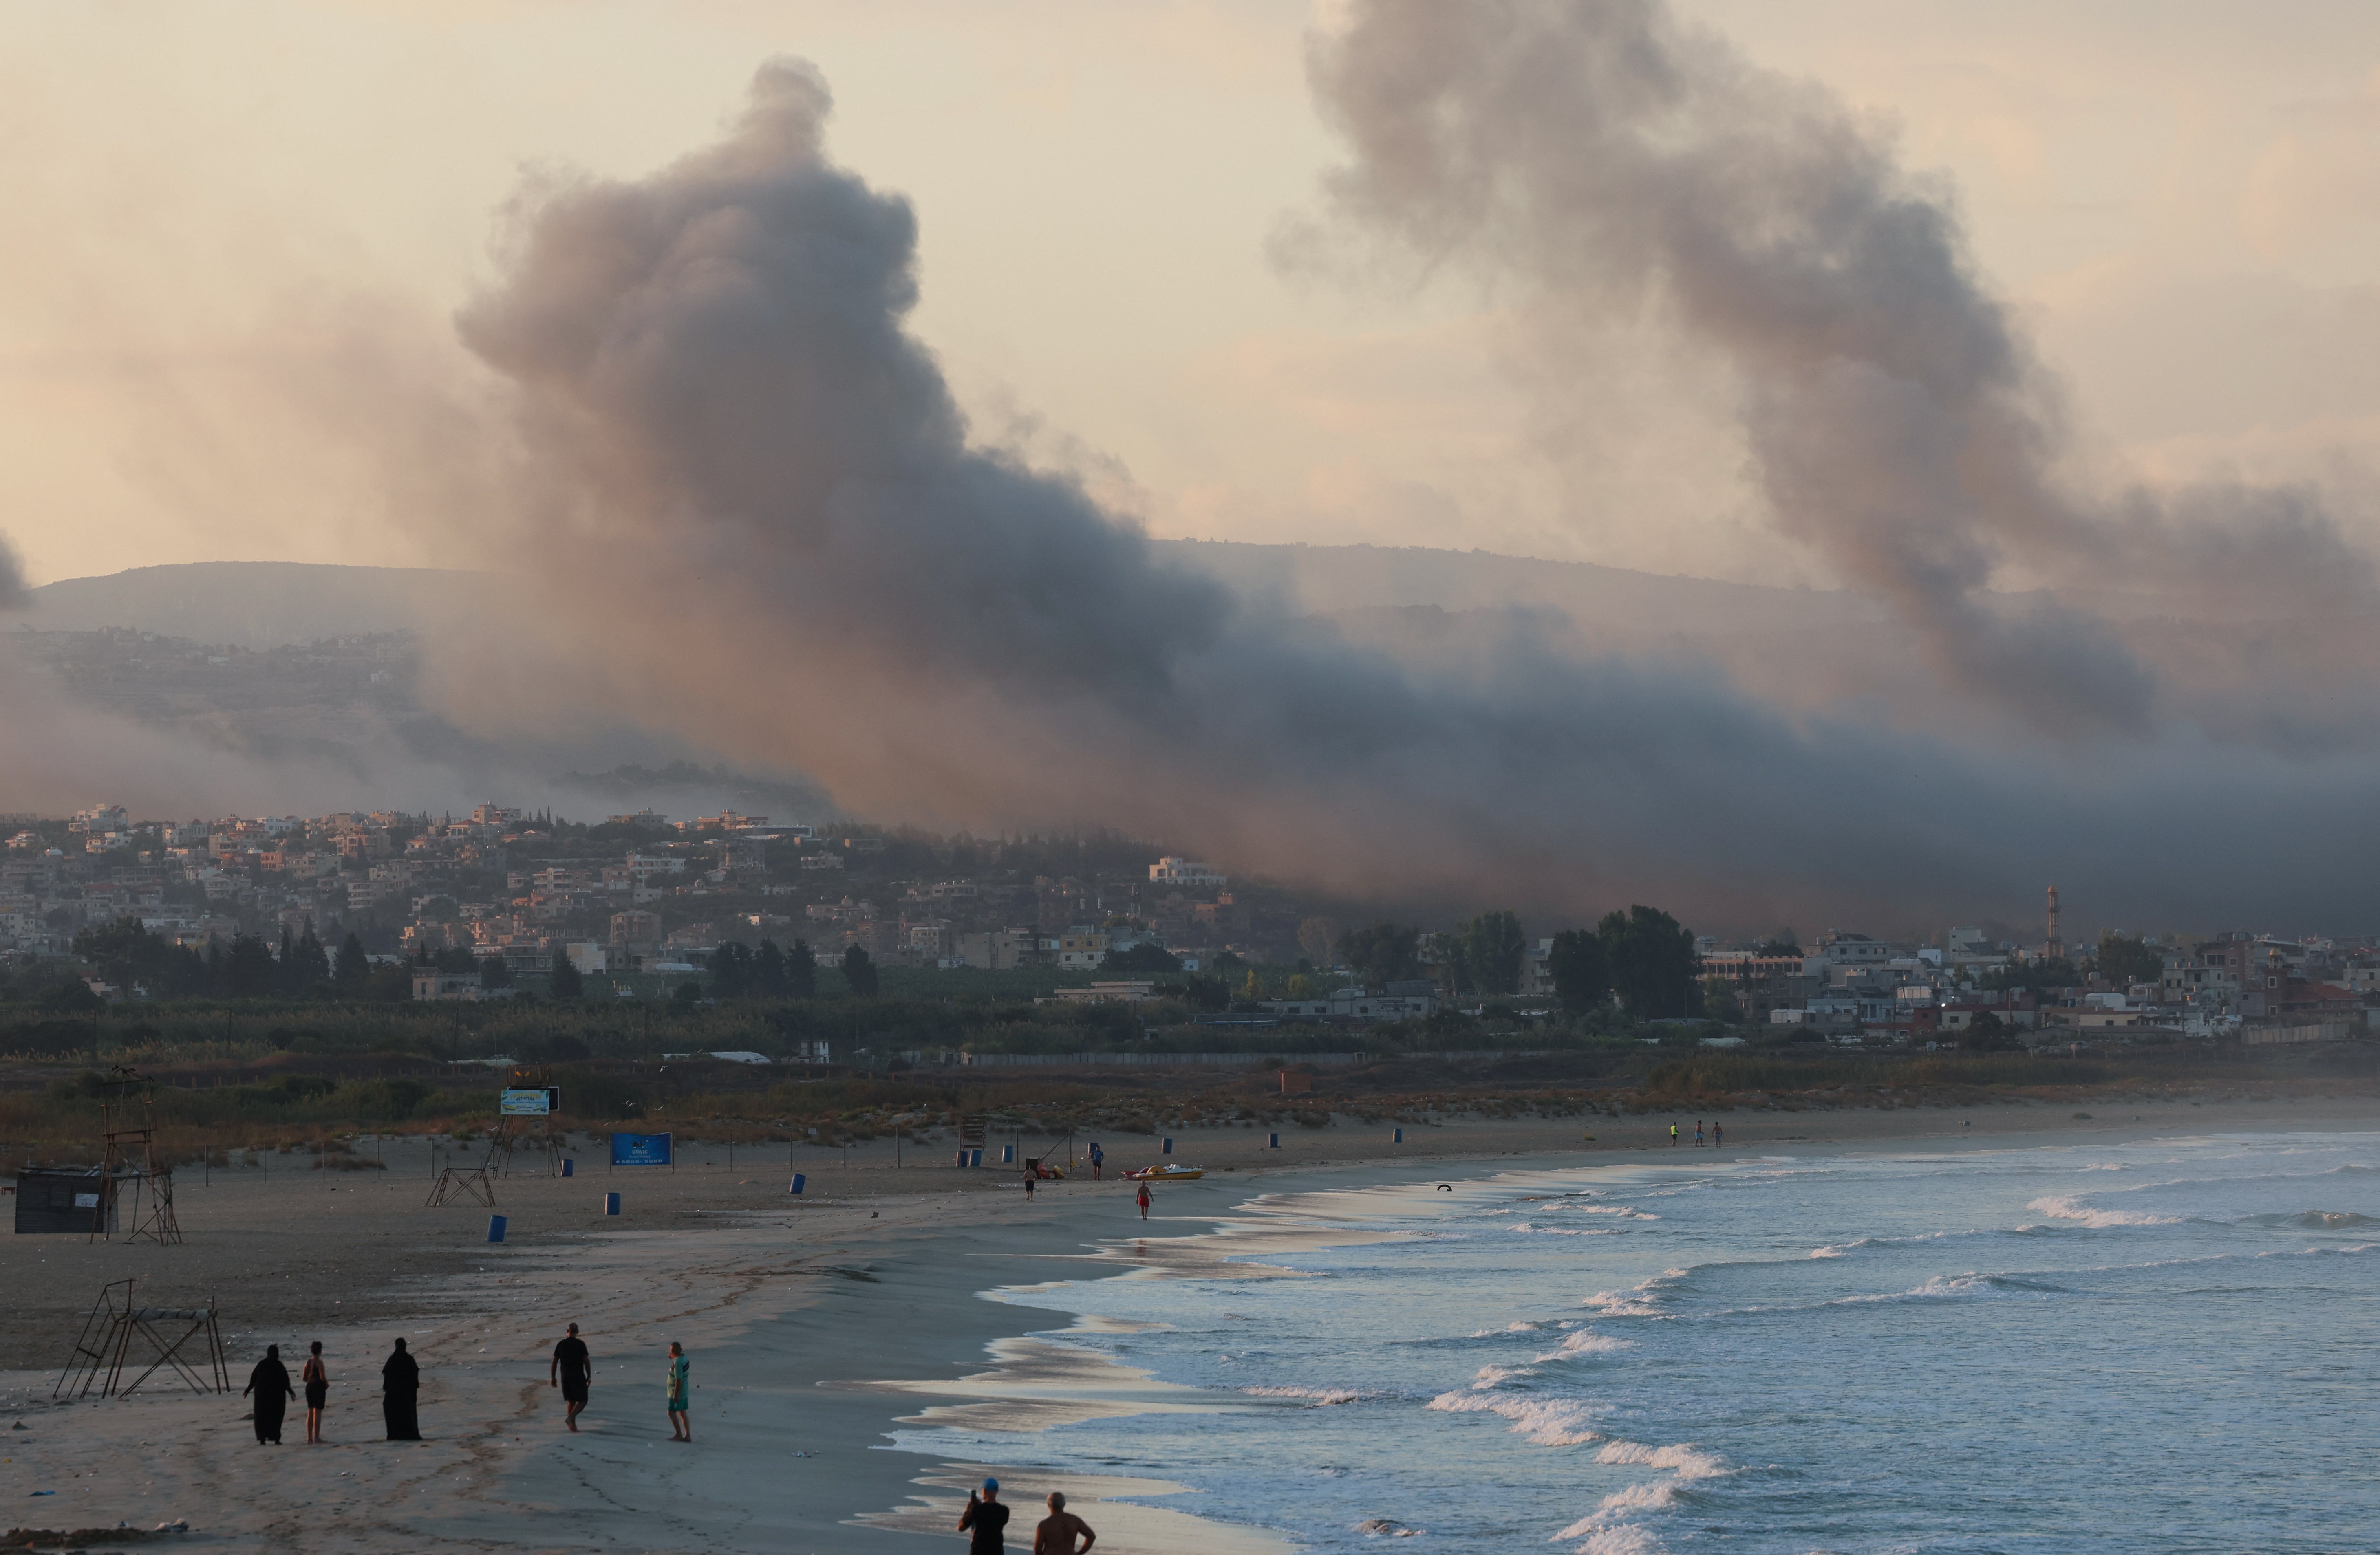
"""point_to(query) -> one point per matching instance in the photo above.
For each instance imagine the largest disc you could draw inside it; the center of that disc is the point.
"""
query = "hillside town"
(500, 902)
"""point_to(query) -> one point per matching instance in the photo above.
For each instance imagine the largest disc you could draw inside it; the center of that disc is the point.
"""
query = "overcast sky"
(204, 208)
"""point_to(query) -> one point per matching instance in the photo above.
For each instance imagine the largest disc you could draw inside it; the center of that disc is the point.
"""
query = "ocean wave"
(2313, 1220)
(1491, 1376)
(1610, 1527)
(1561, 1230)
(1321, 1397)
(1954, 1287)
(1685, 1458)
(2326, 1252)
(1548, 1422)
(2069, 1206)
(1838, 1250)
(1585, 1342)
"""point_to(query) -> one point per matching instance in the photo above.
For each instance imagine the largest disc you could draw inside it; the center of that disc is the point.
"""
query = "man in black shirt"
(986, 1517)
(571, 1371)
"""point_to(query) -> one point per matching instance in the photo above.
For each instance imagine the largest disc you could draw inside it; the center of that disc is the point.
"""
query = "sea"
(2163, 1345)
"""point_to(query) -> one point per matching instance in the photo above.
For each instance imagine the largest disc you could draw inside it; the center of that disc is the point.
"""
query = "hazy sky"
(226, 229)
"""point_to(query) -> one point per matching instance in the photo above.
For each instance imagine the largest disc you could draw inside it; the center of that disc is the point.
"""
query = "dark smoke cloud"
(1609, 159)
(762, 525)
(13, 594)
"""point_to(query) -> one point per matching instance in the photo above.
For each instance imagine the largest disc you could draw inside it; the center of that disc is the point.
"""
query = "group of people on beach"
(1719, 1135)
(572, 1369)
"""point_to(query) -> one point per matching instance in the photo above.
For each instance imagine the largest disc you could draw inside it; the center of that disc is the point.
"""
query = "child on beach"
(318, 1393)
(681, 1427)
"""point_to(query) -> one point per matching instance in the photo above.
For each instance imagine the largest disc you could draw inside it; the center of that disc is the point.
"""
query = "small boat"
(1168, 1174)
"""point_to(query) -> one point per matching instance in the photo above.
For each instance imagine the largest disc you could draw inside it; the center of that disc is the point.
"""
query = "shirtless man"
(1055, 1535)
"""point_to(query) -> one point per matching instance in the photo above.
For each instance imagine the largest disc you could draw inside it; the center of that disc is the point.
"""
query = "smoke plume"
(761, 524)
(13, 594)
(1609, 160)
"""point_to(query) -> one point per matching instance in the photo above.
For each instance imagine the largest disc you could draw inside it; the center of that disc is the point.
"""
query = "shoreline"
(818, 1332)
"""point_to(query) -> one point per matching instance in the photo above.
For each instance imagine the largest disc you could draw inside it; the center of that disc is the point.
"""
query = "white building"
(1355, 1004)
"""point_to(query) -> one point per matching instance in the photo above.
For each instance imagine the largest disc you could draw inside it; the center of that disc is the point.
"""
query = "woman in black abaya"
(269, 1383)
(400, 1381)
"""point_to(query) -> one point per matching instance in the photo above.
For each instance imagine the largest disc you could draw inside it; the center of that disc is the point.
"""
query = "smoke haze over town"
(712, 478)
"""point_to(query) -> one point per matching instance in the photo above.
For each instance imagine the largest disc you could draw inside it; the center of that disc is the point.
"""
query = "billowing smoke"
(13, 594)
(1608, 160)
(762, 525)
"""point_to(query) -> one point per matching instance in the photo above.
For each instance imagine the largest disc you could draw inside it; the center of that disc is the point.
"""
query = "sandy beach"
(815, 1327)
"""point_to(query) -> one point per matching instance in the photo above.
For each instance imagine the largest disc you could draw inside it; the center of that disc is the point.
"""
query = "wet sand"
(814, 1328)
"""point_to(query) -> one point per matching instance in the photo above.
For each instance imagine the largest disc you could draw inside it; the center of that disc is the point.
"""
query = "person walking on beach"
(681, 1426)
(269, 1383)
(985, 1521)
(1056, 1534)
(1698, 1133)
(1028, 1182)
(1143, 1197)
(318, 1393)
(1098, 1160)
(570, 1371)
(400, 1389)
(1673, 1133)
(1718, 1137)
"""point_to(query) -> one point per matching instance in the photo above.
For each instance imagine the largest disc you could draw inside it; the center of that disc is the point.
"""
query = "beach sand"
(814, 1328)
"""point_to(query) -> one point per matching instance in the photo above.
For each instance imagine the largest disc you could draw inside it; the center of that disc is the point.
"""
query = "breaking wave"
(2069, 1206)
(1548, 1422)
(1585, 1342)
(1608, 1527)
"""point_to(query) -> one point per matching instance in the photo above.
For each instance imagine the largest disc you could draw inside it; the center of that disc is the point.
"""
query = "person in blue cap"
(985, 1521)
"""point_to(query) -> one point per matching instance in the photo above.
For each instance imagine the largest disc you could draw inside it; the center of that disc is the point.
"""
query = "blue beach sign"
(641, 1150)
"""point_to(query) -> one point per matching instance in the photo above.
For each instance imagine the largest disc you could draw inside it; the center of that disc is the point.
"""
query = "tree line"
(1641, 959)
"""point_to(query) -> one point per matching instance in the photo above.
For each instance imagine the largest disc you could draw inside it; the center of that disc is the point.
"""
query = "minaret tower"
(2054, 947)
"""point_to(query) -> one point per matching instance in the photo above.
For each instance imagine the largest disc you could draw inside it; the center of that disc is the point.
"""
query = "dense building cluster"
(1965, 989)
(390, 904)
(498, 896)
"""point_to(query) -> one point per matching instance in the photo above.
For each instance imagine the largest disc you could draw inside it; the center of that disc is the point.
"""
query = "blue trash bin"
(1169, 1145)
(569, 1167)
(1401, 1135)
(800, 1179)
(611, 1203)
(1272, 1142)
(496, 1228)
(1008, 1155)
